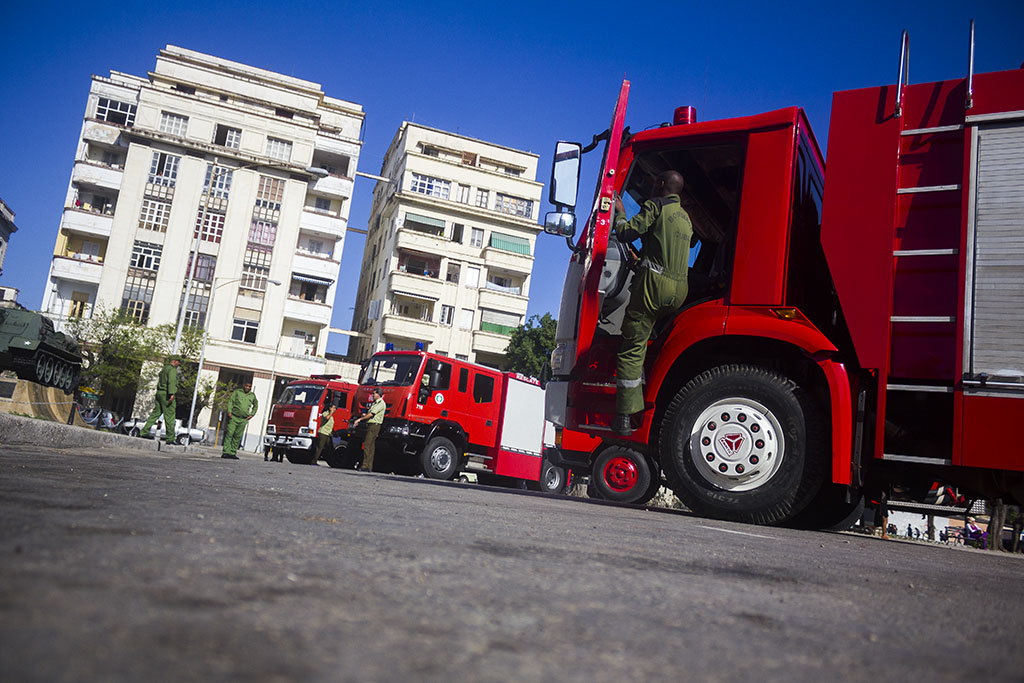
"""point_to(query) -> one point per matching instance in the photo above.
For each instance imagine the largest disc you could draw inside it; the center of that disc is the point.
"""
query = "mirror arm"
(597, 138)
(572, 247)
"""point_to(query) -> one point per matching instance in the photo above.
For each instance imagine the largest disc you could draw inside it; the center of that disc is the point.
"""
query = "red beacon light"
(684, 115)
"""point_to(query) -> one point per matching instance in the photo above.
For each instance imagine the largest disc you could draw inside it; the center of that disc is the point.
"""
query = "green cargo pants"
(165, 408)
(652, 296)
(233, 434)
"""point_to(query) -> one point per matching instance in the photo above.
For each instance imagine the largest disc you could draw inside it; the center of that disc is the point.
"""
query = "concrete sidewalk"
(26, 431)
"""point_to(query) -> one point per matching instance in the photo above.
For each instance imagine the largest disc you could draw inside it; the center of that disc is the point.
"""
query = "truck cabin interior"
(712, 174)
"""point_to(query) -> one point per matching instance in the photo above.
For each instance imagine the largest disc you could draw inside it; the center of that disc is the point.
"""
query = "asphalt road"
(130, 567)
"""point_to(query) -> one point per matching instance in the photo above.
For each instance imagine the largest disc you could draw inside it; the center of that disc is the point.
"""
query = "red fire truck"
(296, 417)
(446, 415)
(848, 328)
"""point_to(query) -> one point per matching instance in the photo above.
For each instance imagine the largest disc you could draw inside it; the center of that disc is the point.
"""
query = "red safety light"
(684, 115)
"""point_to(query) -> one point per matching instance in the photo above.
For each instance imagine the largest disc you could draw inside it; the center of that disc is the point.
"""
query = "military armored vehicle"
(31, 347)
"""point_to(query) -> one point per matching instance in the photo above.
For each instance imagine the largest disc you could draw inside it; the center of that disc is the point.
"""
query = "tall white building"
(449, 252)
(253, 167)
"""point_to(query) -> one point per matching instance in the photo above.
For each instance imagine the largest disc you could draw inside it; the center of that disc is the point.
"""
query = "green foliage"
(530, 345)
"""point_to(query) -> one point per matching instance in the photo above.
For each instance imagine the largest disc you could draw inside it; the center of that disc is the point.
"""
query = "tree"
(530, 346)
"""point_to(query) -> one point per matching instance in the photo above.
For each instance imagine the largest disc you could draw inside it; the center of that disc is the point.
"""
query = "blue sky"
(523, 75)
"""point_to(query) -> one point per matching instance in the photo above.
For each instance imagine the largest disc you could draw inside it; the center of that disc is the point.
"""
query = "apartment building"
(449, 249)
(244, 172)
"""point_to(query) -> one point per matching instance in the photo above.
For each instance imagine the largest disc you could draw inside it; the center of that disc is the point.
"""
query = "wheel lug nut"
(741, 417)
(725, 417)
(710, 456)
(755, 428)
(759, 443)
(723, 467)
(706, 441)
(712, 426)
(754, 460)
(739, 469)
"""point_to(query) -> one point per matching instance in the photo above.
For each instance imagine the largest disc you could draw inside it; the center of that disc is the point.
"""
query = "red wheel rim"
(620, 474)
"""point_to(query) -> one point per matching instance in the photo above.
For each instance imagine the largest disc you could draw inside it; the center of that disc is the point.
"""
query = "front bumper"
(285, 441)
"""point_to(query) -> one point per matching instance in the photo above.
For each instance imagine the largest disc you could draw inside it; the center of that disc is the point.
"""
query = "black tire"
(335, 457)
(656, 482)
(552, 479)
(760, 445)
(135, 431)
(299, 457)
(621, 474)
(183, 440)
(439, 459)
(830, 510)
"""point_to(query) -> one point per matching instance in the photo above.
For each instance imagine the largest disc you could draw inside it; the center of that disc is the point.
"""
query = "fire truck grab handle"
(904, 76)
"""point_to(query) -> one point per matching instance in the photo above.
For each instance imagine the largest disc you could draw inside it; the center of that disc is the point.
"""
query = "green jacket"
(665, 230)
(167, 382)
(242, 403)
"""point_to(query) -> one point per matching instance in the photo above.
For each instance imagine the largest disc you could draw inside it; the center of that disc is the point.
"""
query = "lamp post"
(216, 170)
(206, 335)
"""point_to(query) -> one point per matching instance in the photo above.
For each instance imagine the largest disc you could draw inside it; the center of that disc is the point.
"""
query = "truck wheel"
(743, 443)
(621, 474)
(335, 457)
(439, 459)
(552, 479)
(299, 457)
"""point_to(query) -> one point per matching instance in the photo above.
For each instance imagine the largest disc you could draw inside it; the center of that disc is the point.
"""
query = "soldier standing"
(242, 407)
(166, 387)
(659, 286)
(375, 418)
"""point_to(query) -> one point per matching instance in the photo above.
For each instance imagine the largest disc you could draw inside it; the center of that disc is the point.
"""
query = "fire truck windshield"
(301, 395)
(392, 370)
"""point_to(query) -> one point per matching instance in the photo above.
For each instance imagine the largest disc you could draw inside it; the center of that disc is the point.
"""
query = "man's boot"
(621, 425)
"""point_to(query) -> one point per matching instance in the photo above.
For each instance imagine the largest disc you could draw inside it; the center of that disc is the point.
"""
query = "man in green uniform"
(658, 288)
(166, 388)
(323, 436)
(242, 407)
(374, 416)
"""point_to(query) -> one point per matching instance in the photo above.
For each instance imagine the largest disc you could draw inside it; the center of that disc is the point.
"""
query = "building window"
(516, 172)
(469, 159)
(483, 198)
(514, 206)
(227, 136)
(431, 151)
(79, 302)
(315, 246)
(164, 169)
(279, 149)
(457, 232)
(173, 124)
(453, 273)
(472, 277)
(432, 187)
(498, 322)
(113, 111)
(146, 255)
(209, 226)
(221, 178)
(447, 315)
(476, 237)
(154, 215)
(256, 267)
(270, 193)
(464, 193)
(245, 330)
(466, 319)
(197, 303)
(138, 294)
(322, 204)
(512, 243)
(205, 265)
(263, 233)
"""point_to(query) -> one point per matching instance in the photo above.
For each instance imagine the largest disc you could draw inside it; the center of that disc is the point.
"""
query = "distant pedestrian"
(910, 531)
(242, 407)
(166, 388)
(374, 416)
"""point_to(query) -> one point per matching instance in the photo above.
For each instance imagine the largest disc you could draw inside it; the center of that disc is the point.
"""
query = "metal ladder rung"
(925, 252)
(916, 458)
(927, 188)
(922, 318)
(934, 129)
(929, 388)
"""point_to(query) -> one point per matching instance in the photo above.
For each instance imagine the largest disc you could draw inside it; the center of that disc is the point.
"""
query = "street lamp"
(215, 171)
(206, 335)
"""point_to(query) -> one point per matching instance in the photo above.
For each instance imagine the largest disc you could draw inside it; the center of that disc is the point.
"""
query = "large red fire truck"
(848, 328)
(445, 416)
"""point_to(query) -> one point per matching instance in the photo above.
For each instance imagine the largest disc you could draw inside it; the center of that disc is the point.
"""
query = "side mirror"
(561, 224)
(565, 174)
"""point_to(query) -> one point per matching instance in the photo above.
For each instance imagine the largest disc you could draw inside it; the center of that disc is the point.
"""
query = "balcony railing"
(513, 289)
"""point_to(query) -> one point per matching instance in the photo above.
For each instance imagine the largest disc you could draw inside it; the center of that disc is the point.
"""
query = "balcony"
(409, 328)
(103, 133)
(423, 242)
(107, 177)
(501, 301)
(335, 187)
(308, 311)
(322, 223)
(489, 342)
(507, 260)
(77, 268)
(90, 223)
(417, 285)
(317, 266)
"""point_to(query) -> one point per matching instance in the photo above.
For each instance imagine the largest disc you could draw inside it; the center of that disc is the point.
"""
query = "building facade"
(449, 248)
(245, 173)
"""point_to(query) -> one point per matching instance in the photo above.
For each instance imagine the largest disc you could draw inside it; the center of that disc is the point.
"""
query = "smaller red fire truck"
(446, 415)
(295, 418)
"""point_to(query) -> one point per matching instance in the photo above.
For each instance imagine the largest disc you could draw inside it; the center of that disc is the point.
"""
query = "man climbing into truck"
(659, 288)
